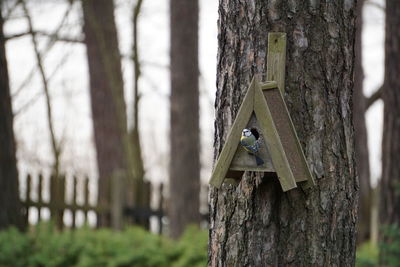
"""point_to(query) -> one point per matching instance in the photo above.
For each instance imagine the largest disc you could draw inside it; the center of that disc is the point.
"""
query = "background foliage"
(390, 249)
(86, 247)
(386, 254)
(43, 246)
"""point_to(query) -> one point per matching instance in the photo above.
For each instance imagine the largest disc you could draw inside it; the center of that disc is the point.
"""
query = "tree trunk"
(390, 183)
(107, 96)
(185, 162)
(10, 208)
(141, 194)
(361, 137)
(256, 224)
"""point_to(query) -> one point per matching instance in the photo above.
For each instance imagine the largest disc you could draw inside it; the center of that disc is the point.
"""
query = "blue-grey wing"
(250, 147)
(244, 142)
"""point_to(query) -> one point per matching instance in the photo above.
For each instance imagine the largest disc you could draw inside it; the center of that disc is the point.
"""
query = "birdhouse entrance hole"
(254, 131)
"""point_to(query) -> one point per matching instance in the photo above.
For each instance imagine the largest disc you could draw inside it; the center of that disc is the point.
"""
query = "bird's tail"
(259, 160)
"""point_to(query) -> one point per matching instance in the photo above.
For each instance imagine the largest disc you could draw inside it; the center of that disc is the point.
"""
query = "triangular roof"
(279, 135)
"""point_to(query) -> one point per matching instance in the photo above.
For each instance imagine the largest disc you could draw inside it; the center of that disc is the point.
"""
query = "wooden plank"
(288, 135)
(273, 141)
(53, 201)
(86, 197)
(276, 58)
(57, 200)
(74, 196)
(160, 207)
(146, 202)
(28, 188)
(232, 141)
(60, 201)
(27, 198)
(268, 85)
(276, 62)
(40, 197)
(282, 123)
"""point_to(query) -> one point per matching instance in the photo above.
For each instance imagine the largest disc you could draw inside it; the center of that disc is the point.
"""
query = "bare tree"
(55, 145)
(47, 47)
(184, 160)
(390, 183)
(256, 224)
(11, 213)
(114, 152)
(139, 194)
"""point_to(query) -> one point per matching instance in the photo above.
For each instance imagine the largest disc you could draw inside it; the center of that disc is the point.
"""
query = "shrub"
(15, 248)
(192, 248)
(367, 255)
(42, 246)
(390, 248)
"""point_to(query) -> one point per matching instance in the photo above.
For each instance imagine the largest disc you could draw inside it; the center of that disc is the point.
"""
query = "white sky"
(69, 86)
(373, 62)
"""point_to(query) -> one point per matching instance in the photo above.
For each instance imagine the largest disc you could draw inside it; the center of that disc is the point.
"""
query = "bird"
(250, 143)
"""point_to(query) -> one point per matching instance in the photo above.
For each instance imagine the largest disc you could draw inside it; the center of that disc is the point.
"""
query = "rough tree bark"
(10, 208)
(390, 183)
(361, 137)
(185, 154)
(256, 224)
(107, 96)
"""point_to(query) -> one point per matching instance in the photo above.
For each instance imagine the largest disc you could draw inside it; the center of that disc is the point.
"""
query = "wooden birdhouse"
(264, 112)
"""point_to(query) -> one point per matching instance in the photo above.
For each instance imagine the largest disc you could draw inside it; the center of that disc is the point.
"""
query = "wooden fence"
(63, 198)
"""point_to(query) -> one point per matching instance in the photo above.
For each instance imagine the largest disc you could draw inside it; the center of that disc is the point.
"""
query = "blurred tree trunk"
(107, 97)
(10, 208)
(256, 224)
(141, 196)
(361, 137)
(390, 183)
(185, 151)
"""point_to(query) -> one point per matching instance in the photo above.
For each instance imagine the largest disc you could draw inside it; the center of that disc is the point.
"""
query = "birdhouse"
(264, 112)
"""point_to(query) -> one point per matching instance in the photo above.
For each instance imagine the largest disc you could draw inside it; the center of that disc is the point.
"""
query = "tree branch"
(373, 98)
(377, 5)
(53, 36)
(135, 136)
(36, 97)
(10, 10)
(49, 45)
(14, 36)
(136, 63)
(55, 145)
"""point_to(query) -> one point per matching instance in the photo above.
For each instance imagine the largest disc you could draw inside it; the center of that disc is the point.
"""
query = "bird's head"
(246, 132)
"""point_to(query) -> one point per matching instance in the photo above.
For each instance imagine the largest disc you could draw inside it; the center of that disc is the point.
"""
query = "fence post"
(40, 197)
(146, 203)
(27, 199)
(57, 199)
(74, 203)
(86, 199)
(160, 208)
